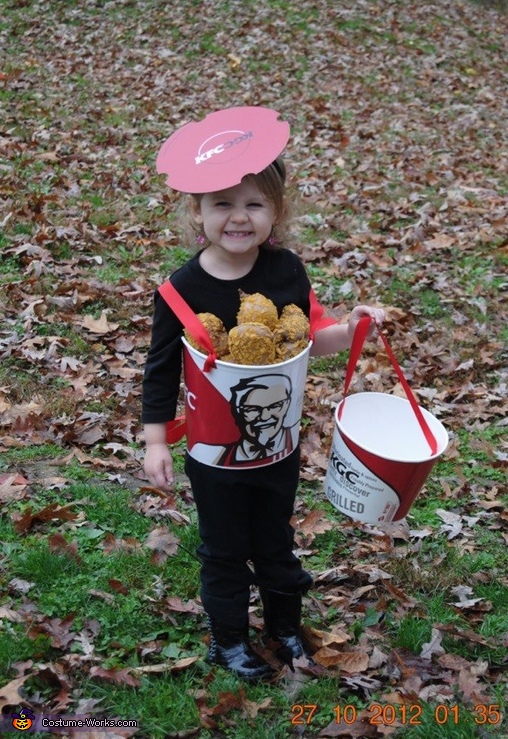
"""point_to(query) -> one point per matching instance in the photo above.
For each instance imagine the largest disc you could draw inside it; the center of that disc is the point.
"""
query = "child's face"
(238, 219)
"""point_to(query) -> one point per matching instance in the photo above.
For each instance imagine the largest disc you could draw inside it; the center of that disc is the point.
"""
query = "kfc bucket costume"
(245, 488)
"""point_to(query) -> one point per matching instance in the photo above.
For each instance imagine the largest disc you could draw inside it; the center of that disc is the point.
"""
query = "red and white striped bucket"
(383, 448)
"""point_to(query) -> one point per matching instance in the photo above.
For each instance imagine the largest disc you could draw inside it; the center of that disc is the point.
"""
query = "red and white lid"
(217, 152)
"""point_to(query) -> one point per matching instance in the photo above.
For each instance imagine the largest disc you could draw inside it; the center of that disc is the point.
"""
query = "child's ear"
(195, 209)
(280, 217)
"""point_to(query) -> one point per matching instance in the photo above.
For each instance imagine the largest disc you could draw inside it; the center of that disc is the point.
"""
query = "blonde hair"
(271, 182)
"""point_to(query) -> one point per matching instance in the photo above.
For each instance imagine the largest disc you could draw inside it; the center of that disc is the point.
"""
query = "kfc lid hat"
(218, 151)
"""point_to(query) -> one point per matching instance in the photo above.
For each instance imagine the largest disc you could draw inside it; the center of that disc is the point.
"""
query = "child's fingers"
(378, 316)
(163, 477)
(161, 474)
(169, 478)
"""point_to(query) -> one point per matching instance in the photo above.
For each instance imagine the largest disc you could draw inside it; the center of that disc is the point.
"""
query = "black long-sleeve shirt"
(277, 274)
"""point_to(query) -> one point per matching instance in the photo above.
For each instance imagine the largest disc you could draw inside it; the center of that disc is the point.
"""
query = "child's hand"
(377, 315)
(159, 466)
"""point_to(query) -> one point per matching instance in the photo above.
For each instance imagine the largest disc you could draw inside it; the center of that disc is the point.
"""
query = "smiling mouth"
(238, 234)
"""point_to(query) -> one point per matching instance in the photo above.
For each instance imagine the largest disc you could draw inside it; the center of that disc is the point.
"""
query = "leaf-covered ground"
(399, 161)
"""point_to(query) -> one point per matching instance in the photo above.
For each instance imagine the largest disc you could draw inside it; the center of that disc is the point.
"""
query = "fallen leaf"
(434, 646)
(119, 676)
(351, 662)
(163, 543)
(100, 326)
(12, 487)
(52, 512)
(178, 666)
(10, 694)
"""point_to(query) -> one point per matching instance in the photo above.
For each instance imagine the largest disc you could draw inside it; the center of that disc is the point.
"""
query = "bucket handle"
(176, 429)
(361, 331)
(191, 322)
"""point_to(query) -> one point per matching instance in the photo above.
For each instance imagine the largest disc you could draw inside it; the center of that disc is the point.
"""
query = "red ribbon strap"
(361, 331)
(191, 322)
(176, 429)
(317, 318)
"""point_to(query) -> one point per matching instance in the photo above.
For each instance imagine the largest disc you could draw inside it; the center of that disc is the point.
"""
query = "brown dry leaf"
(180, 606)
(112, 544)
(57, 629)
(226, 702)
(294, 680)
(334, 638)
(352, 662)
(10, 694)
(120, 676)
(118, 586)
(52, 512)
(109, 598)
(471, 689)
(453, 662)
(100, 326)
(377, 659)
(91, 435)
(163, 543)
(56, 678)
(58, 543)
(12, 487)
(178, 666)
(252, 709)
(19, 585)
(9, 614)
(316, 522)
(440, 241)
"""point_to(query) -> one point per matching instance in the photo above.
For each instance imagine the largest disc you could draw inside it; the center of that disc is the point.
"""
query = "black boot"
(282, 612)
(230, 648)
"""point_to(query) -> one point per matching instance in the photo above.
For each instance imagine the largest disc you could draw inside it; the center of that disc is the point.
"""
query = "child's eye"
(222, 204)
(255, 205)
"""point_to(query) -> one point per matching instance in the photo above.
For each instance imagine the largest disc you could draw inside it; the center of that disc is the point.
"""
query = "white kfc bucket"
(380, 458)
(242, 415)
(383, 448)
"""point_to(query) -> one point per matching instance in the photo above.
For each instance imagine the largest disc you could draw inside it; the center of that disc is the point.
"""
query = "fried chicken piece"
(218, 334)
(293, 324)
(227, 358)
(291, 335)
(292, 310)
(289, 349)
(251, 343)
(256, 308)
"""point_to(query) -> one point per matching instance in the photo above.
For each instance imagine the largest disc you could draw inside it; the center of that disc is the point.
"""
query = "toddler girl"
(244, 511)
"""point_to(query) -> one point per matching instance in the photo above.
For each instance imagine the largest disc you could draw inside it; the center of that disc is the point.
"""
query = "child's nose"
(239, 215)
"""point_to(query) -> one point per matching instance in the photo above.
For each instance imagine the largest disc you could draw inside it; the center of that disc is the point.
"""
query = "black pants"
(247, 539)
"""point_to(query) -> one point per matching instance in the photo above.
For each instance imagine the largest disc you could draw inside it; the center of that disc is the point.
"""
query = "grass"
(79, 586)
(130, 627)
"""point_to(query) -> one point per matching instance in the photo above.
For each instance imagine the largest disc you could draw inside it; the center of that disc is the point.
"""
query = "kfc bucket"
(238, 415)
(242, 415)
(383, 448)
